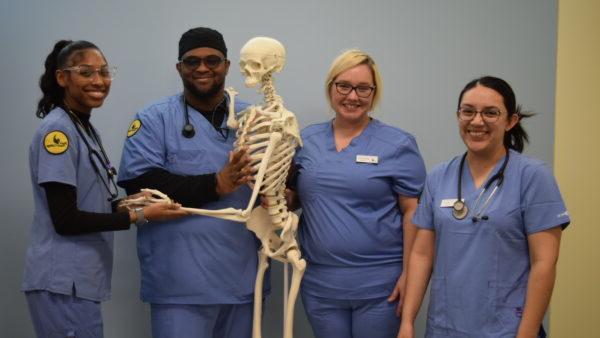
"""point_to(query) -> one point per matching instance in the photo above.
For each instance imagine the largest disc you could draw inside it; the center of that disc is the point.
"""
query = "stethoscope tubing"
(459, 207)
(101, 156)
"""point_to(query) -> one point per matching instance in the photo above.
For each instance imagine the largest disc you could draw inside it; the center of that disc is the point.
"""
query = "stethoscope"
(460, 209)
(188, 130)
(94, 155)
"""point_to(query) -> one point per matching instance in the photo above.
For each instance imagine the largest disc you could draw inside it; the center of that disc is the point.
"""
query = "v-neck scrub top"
(193, 259)
(480, 272)
(56, 263)
(350, 229)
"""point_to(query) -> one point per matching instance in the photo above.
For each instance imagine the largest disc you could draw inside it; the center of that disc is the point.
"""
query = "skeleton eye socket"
(253, 65)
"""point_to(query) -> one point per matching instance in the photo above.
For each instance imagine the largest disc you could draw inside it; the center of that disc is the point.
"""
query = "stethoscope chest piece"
(459, 209)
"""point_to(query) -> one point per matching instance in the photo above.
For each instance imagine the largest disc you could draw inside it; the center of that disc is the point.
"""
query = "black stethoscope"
(188, 130)
(94, 155)
(459, 208)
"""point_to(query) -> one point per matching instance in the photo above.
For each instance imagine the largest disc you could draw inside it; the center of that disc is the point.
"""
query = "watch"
(140, 219)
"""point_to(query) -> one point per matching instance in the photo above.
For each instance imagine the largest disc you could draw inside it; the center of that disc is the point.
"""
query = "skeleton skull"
(261, 56)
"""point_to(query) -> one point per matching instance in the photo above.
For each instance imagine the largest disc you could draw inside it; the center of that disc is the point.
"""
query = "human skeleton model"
(270, 134)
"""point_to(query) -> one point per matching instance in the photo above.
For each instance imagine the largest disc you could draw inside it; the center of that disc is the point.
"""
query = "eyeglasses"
(346, 89)
(88, 72)
(211, 62)
(488, 114)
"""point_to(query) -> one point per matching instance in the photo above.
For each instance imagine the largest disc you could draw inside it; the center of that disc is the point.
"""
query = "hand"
(291, 198)
(163, 211)
(141, 194)
(235, 173)
(407, 330)
(263, 202)
(398, 293)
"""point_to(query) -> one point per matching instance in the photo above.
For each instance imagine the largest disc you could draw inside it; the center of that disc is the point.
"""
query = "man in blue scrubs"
(197, 272)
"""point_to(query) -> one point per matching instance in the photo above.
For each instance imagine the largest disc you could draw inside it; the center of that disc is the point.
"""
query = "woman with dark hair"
(490, 224)
(69, 259)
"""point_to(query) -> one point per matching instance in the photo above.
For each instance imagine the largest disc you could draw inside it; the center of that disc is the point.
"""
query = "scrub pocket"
(436, 317)
(509, 304)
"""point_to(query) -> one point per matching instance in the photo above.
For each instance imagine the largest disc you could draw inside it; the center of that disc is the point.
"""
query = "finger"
(247, 171)
(238, 155)
(242, 164)
(173, 206)
(399, 309)
(244, 180)
(393, 295)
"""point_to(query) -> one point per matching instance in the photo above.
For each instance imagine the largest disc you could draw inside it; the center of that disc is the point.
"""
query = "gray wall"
(426, 50)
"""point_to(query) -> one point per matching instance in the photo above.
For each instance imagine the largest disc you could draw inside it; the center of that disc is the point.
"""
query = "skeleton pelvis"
(260, 223)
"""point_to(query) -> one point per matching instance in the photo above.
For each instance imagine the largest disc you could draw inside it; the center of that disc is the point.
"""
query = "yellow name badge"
(56, 142)
(134, 127)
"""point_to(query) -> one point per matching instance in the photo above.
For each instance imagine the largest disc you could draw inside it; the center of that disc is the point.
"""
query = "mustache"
(203, 94)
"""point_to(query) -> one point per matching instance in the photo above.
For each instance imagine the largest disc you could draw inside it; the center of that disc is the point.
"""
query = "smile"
(97, 94)
(351, 105)
(477, 133)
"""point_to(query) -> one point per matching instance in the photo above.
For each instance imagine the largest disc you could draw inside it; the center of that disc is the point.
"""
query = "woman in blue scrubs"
(357, 180)
(69, 259)
(490, 223)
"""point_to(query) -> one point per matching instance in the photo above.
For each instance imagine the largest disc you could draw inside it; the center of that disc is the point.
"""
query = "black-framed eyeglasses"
(361, 90)
(211, 62)
(487, 114)
(85, 71)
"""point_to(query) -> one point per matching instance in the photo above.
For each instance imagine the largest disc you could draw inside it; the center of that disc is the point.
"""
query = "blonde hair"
(349, 59)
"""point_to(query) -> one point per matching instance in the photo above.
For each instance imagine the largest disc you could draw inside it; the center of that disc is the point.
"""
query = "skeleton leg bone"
(258, 287)
(298, 267)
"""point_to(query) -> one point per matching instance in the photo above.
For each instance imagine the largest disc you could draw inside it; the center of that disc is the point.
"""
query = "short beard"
(203, 95)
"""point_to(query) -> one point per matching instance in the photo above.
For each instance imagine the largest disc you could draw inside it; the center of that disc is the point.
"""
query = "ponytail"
(517, 137)
(52, 93)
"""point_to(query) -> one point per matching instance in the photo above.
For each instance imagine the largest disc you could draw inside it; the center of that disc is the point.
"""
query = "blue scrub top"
(480, 273)
(351, 226)
(195, 259)
(58, 263)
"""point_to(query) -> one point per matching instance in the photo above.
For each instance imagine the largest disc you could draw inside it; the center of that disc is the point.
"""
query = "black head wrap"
(201, 37)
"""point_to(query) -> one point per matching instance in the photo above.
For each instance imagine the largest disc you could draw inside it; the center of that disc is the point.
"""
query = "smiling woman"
(490, 223)
(357, 181)
(69, 258)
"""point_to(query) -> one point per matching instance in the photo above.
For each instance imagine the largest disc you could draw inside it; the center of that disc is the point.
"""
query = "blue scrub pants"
(56, 315)
(360, 318)
(202, 321)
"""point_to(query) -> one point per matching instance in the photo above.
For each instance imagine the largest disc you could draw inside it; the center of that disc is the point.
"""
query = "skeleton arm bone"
(240, 215)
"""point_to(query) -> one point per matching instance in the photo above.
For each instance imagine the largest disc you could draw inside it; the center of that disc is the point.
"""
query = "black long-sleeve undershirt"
(190, 191)
(68, 220)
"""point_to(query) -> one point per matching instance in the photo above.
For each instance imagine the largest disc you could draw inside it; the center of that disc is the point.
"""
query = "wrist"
(140, 219)
(132, 216)
(219, 188)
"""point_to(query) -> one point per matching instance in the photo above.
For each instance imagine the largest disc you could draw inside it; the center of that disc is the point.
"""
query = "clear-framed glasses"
(105, 72)
(361, 90)
(487, 114)
(211, 62)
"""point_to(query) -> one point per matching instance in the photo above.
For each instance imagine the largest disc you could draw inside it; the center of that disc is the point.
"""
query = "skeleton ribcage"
(254, 133)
